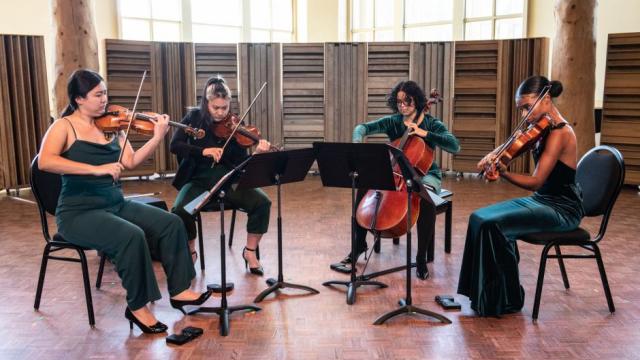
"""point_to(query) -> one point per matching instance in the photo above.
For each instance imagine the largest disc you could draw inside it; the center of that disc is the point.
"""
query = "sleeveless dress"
(93, 213)
(489, 272)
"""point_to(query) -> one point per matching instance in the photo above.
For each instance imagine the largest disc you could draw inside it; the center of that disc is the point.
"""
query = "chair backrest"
(45, 187)
(600, 173)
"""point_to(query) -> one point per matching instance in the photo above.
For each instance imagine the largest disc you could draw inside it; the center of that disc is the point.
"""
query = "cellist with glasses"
(409, 104)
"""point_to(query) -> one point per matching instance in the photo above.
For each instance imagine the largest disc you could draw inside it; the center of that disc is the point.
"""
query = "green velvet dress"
(489, 272)
(92, 212)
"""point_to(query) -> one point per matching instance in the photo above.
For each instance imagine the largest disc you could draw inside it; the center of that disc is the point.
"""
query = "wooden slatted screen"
(177, 85)
(213, 60)
(345, 89)
(126, 61)
(302, 94)
(260, 63)
(431, 65)
(475, 104)
(24, 106)
(621, 107)
(523, 58)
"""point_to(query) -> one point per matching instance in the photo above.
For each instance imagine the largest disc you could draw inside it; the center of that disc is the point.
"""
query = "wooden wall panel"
(126, 62)
(345, 89)
(217, 59)
(260, 63)
(24, 105)
(621, 107)
(431, 67)
(177, 84)
(475, 103)
(302, 94)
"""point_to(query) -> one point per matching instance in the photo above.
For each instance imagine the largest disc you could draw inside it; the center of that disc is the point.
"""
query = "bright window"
(210, 24)
(494, 19)
(159, 20)
(428, 20)
(372, 20)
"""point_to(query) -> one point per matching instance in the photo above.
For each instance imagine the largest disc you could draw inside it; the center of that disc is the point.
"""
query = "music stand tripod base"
(410, 309)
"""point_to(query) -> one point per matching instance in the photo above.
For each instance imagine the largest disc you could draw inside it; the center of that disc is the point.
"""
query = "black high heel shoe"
(179, 304)
(422, 271)
(254, 270)
(156, 328)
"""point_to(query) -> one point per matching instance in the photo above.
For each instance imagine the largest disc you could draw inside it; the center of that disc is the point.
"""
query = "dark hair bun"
(217, 80)
(556, 88)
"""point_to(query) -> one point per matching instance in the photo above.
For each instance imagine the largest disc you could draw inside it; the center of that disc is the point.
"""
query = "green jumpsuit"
(93, 213)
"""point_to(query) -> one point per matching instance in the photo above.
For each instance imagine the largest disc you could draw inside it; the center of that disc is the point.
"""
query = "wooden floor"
(572, 324)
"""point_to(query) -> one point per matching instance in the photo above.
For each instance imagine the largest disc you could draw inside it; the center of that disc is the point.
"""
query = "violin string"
(133, 112)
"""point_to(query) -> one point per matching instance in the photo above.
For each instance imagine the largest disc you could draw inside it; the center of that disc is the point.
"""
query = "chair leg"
(233, 227)
(87, 286)
(447, 228)
(43, 271)
(103, 259)
(396, 241)
(543, 263)
(563, 271)
(603, 276)
(376, 247)
(200, 240)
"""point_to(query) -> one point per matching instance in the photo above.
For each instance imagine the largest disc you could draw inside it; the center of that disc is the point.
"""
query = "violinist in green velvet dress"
(489, 271)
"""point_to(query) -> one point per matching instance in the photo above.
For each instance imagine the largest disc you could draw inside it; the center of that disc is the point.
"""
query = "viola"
(518, 144)
(117, 118)
(385, 212)
(245, 135)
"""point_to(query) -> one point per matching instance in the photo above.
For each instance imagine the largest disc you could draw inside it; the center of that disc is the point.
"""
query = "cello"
(385, 212)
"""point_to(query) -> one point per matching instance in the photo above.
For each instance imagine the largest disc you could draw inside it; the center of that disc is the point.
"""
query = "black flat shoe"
(156, 328)
(254, 270)
(179, 304)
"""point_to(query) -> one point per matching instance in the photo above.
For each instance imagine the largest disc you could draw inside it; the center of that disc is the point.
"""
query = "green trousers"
(129, 233)
(254, 201)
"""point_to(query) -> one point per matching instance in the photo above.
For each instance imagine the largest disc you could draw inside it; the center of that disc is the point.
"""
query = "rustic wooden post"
(76, 44)
(574, 63)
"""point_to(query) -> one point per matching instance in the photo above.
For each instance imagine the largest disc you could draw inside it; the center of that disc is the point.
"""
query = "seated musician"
(408, 103)
(489, 272)
(91, 209)
(196, 175)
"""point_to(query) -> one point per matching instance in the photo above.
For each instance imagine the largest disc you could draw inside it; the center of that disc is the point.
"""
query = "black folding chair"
(600, 173)
(46, 189)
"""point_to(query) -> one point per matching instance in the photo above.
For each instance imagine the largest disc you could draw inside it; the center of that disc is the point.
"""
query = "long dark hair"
(412, 90)
(215, 87)
(535, 84)
(79, 85)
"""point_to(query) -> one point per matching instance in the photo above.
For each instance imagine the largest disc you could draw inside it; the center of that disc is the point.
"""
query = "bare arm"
(553, 150)
(50, 157)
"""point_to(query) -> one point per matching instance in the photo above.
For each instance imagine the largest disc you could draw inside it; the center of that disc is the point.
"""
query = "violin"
(519, 142)
(117, 118)
(245, 135)
(385, 212)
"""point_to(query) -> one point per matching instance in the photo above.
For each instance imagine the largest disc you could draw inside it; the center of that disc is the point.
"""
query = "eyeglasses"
(406, 102)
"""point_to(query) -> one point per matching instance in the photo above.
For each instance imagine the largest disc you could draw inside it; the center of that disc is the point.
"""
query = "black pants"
(426, 226)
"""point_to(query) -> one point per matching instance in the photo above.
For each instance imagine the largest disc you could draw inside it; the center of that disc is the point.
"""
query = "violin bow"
(501, 148)
(241, 119)
(133, 112)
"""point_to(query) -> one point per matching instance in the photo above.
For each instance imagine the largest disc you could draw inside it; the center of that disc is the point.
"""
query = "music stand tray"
(217, 193)
(277, 168)
(413, 185)
(354, 165)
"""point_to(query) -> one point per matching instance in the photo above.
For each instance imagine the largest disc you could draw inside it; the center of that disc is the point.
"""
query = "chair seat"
(59, 240)
(574, 236)
(213, 206)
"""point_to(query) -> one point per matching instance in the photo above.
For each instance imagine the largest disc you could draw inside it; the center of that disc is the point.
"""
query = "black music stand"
(361, 166)
(413, 182)
(277, 168)
(217, 192)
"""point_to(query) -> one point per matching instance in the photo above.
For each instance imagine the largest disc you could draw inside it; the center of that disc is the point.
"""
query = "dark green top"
(394, 127)
(85, 192)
